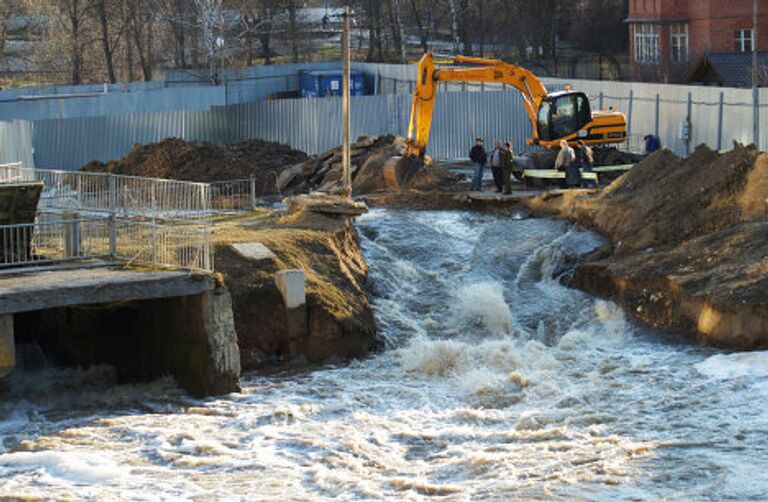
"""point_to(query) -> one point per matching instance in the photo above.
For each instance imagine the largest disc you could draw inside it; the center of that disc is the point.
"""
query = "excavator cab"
(562, 114)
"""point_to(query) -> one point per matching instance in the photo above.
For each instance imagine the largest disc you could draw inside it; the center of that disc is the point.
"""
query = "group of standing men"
(502, 165)
(572, 162)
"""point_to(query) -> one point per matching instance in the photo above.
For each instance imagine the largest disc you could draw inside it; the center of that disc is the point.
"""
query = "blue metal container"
(318, 84)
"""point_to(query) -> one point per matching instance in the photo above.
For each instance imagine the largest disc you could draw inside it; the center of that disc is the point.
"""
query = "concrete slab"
(255, 251)
(42, 290)
(498, 197)
(292, 286)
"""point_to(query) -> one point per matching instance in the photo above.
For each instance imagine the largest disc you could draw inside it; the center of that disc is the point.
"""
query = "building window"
(678, 34)
(646, 43)
(743, 40)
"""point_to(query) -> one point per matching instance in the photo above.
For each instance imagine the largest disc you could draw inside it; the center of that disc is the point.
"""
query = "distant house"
(668, 37)
(731, 69)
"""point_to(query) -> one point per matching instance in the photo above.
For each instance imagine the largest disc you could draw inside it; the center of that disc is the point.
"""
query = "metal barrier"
(10, 173)
(59, 238)
(165, 245)
(54, 241)
(115, 194)
(233, 195)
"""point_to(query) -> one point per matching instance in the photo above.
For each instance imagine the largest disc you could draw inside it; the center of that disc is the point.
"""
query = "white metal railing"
(11, 172)
(233, 195)
(165, 245)
(121, 195)
(58, 238)
(54, 241)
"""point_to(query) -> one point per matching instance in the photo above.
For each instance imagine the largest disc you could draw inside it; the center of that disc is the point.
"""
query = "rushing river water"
(496, 383)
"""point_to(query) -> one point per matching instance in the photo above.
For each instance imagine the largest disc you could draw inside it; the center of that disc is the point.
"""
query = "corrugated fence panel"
(314, 125)
(116, 103)
(16, 142)
(461, 117)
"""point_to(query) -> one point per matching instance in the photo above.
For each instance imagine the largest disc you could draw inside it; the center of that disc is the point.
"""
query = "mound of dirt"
(689, 243)
(666, 200)
(174, 158)
(325, 245)
(369, 154)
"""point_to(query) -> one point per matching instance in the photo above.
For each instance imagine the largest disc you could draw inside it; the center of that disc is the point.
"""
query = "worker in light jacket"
(566, 162)
(496, 154)
(585, 160)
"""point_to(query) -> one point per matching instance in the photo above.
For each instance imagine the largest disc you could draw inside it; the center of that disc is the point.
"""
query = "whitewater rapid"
(495, 383)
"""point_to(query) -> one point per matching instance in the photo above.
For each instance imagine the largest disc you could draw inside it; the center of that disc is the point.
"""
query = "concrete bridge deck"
(31, 291)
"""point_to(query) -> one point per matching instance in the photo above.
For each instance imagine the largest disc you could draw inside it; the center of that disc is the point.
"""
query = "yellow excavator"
(565, 115)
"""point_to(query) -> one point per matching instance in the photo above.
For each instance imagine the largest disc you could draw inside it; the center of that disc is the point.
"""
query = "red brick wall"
(711, 28)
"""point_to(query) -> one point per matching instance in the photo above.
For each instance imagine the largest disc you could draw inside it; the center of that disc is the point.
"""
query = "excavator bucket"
(399, 171)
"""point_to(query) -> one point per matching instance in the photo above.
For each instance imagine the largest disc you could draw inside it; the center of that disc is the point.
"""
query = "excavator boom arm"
(487, 70)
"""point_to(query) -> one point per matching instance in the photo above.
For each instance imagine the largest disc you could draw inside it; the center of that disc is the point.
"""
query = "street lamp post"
(346, 152)
(755, 88)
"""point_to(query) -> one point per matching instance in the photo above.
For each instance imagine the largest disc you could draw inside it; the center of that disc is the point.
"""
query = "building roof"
(731, 69)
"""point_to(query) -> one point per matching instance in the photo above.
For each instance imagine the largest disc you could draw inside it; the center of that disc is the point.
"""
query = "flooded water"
(496, 383)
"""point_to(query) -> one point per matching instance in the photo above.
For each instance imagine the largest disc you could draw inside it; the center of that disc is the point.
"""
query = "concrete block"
(293, 288)
(255, 251)
(7, 347)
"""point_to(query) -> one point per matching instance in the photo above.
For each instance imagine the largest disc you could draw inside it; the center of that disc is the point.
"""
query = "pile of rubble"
(369, 155)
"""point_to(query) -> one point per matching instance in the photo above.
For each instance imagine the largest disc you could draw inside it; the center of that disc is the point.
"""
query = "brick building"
(667, 37)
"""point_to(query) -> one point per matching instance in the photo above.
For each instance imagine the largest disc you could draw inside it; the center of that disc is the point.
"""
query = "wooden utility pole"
(755, 75)
(345, 107)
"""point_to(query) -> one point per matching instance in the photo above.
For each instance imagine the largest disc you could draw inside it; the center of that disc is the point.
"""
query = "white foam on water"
(435, 357)
(479, 381)
(69, 467)
(466, 403)
(483, 303)
(610, 331)
(740, 364)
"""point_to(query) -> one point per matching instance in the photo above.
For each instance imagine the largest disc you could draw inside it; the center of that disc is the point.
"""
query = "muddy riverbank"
(339, 321)
(689, 241)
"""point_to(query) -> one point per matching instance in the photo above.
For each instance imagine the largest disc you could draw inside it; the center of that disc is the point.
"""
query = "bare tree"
(459, 31)
(210, 19)
(396, 28)
(293, 32)
(421, 24)
(111, 30)
(68, 27)
(141, 28)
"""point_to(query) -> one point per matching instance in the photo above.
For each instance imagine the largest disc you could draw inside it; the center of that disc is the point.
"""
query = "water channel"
(496, 383)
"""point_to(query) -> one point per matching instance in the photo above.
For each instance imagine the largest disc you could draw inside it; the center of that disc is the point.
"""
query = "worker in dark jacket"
(479, 157)
(496, 166)
(507, 166)
(652, 143)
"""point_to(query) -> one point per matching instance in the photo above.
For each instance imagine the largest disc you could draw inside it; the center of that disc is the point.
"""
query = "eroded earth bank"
(689, 243)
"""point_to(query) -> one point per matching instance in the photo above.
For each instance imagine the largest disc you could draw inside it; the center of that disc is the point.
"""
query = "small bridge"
(117, 270)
